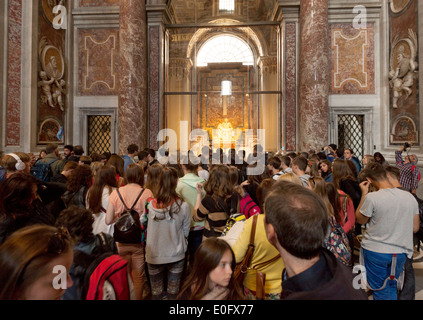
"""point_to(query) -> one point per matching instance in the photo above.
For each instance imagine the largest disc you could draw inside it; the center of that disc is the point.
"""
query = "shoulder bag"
(242, 267)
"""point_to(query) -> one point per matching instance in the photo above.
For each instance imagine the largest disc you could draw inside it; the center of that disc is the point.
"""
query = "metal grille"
(99, 134)
(351, 133)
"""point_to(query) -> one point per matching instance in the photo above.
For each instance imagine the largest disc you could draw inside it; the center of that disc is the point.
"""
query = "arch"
(246, 34)
(225, 48)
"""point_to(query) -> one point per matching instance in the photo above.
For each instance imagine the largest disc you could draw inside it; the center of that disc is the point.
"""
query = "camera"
(407, 145)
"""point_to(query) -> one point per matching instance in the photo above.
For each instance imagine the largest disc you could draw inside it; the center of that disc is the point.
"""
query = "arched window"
(225, 48)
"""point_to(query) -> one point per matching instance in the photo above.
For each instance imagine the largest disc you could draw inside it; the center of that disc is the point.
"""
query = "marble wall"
(14, 69)
(95, 59)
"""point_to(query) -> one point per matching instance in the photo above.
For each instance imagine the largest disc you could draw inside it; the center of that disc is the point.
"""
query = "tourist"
(169, 223)
(211, 277)
(28, 260)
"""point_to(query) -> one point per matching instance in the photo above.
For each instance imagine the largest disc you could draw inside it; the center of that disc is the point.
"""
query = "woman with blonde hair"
(291, 177)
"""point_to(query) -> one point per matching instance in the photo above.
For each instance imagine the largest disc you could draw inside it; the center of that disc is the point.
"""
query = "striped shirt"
(214, 215)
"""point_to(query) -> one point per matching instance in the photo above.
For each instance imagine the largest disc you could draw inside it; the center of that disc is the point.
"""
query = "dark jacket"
(328, 279)
(34, 215)
(75, 198)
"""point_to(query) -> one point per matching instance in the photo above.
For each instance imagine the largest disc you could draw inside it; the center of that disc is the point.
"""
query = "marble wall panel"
(98, 62)
(291, 85)
(14, 50)
(154, 85)
(352, 59)
(98, 3)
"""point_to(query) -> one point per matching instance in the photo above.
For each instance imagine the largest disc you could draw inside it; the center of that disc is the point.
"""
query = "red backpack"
(111, 280)
(248, 207)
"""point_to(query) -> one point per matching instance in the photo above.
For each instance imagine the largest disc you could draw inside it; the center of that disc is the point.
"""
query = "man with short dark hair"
(391, 217)
(53, 158)
(299, 167)
(78, 151)
(64, 175)
(67, 151)
(286, 164)
(129, 157)
(151, 158)
(274, 167)
(297, 227)
(349, 155)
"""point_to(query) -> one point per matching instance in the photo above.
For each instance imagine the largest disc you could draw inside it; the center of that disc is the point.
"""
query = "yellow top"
(263, 252)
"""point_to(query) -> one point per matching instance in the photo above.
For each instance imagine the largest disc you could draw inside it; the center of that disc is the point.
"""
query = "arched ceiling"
(202, 11)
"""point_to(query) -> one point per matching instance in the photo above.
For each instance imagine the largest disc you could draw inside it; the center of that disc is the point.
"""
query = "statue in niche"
(53, 69)
(403, 67)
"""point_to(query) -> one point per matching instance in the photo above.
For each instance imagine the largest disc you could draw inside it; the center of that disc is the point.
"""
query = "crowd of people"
(184, 230)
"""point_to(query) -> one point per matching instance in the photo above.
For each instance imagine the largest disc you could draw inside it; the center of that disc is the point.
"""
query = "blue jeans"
(378, 268)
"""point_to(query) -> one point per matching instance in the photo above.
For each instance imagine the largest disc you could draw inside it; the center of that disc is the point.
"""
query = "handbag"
(337, 242)
(128, 227)
(242, 267)
(261, 278)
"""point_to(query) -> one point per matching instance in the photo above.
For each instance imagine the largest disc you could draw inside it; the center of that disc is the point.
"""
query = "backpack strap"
(121, 199)
(253, 230)
(266, 263)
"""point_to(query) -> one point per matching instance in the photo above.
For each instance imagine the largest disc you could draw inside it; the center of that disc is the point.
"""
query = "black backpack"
(128, 228)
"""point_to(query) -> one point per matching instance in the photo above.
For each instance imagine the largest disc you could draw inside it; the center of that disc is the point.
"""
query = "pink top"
(349, 224)
(129, 194)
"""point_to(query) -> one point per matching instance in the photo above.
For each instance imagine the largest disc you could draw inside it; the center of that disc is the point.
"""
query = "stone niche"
(403, 72)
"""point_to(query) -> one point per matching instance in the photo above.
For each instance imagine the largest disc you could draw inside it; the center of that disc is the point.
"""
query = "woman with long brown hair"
(325, 169)
(117, 162)
(344, 179)
(336, 239)
(169, 223)
(78, 184)
(28, 259)
(98, 198)
(218, 204)
(212, 277)
(20, 206)
(153, 177)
